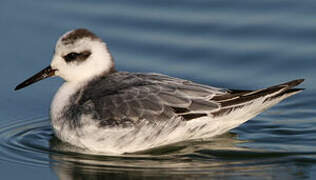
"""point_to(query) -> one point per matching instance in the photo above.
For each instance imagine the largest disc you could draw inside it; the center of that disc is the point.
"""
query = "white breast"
(60, 101)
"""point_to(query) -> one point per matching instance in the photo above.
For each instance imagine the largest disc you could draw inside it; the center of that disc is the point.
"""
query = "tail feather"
(287, 93)
(235, 99)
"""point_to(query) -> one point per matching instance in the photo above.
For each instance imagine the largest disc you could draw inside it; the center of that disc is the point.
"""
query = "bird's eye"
(71, 56)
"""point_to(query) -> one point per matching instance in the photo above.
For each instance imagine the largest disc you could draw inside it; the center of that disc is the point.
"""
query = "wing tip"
(293, 83)
(294, 91)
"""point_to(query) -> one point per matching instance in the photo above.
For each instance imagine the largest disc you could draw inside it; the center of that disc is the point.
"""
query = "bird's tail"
(269, 96)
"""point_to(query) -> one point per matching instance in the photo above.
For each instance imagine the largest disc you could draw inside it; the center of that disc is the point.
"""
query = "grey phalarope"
(103, 110)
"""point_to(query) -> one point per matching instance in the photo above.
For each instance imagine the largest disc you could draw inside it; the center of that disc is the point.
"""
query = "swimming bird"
(104, 110)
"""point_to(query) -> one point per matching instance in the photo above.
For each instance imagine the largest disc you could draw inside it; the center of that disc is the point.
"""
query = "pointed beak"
(45, 73)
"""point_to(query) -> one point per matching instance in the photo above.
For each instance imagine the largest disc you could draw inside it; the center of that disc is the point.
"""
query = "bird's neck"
(63, 97)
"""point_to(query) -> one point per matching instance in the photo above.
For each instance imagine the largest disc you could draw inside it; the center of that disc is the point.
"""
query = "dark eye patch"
(77, 57)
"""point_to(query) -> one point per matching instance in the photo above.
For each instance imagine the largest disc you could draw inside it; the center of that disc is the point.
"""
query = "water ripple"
(26, 142)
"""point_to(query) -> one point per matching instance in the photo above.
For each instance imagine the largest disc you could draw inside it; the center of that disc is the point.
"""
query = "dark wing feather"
(235, 99)
(133, 98)
(124, 99)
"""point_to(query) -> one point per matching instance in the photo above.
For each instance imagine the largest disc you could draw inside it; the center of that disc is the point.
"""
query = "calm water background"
(245, 44)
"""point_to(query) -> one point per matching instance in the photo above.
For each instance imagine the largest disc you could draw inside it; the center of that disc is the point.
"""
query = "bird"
(103, 110)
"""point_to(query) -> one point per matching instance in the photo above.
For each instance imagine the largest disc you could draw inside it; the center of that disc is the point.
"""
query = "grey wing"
(157, 98)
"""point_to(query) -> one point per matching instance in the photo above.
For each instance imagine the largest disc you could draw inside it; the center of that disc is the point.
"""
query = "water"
(242, 44)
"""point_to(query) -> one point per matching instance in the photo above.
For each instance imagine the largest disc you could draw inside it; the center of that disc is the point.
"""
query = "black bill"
(45, 73)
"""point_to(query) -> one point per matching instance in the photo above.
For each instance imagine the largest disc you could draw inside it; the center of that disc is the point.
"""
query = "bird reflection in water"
(217, 157)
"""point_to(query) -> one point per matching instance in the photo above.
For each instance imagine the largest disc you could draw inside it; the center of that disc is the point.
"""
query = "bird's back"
(126, 99)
